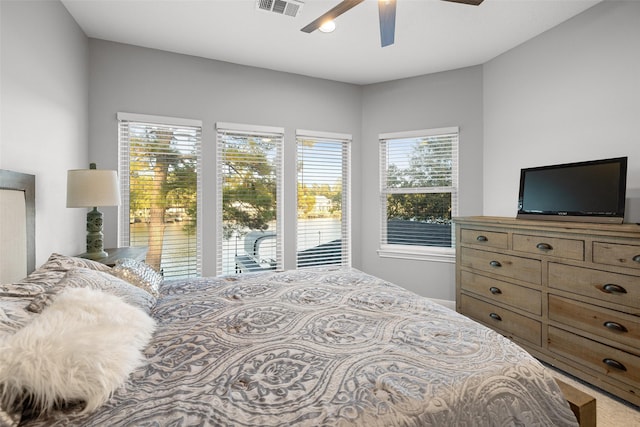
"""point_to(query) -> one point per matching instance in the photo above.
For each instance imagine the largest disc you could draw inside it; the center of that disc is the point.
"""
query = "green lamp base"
(95, 255)
(95, 238)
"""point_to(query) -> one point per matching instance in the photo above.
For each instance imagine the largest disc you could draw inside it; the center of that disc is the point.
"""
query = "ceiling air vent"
(281, 7)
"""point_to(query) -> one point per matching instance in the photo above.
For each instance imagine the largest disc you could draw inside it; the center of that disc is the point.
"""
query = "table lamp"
(91, 188)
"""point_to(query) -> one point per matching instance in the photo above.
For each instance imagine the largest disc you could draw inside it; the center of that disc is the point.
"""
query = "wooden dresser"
(569, 293)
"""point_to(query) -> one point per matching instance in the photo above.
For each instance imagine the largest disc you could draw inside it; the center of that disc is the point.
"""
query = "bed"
(309, 347)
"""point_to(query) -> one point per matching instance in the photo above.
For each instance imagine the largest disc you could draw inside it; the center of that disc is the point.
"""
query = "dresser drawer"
(506, 321)
(492, 239)
(554, 246)
(507, 293)
(525, 269)
(599, 321)
(605, 360)
(616, 254)
(621, 289)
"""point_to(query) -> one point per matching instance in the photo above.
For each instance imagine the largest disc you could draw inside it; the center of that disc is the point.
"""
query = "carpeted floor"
(610, 410)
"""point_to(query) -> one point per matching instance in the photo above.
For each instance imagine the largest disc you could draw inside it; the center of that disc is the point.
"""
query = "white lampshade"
(92, 188)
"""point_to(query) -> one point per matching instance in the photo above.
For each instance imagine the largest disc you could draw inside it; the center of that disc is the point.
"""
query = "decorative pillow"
(138, 274)
(49, 274)
(83, 347)
(57, 262)
(22, 290)
(13, 315)
(85, 278)
(35, 283)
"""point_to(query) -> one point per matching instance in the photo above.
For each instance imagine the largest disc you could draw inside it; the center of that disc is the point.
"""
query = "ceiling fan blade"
(471, 2)
(338, 10)
(387, 12)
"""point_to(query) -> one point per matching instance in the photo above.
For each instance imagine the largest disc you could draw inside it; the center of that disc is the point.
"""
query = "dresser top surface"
(566, 226)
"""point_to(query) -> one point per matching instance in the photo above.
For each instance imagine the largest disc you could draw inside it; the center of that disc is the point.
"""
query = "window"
(160, 183)
(249, 198)
(323, 220)
(419, 193)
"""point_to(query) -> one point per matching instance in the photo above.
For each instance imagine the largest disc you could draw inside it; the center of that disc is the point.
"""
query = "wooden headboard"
(17, 225)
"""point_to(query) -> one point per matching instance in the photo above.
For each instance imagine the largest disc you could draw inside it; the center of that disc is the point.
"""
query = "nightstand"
(139, 253)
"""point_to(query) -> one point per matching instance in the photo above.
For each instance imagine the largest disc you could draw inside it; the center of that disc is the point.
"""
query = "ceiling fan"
(386, 12)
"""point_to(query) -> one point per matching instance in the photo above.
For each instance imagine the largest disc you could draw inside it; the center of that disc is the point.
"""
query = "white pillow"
(82, 347)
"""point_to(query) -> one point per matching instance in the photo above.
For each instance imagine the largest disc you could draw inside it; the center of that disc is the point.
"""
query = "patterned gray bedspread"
(324, 348)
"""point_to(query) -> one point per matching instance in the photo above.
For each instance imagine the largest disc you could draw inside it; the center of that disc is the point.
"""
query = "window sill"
(447, 255)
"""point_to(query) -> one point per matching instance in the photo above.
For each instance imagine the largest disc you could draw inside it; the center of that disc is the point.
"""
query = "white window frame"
(123, 166)
(248, 129)
(411, 252)
(346, 140)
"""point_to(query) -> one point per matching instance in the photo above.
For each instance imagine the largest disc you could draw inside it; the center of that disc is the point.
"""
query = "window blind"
(419, 187)
(160, 164)
(323, 199)
(249, 208)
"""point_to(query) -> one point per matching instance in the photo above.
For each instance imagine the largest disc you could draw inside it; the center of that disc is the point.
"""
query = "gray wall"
(570, 94)
(44, 113)
(452, 98)
(139, 80)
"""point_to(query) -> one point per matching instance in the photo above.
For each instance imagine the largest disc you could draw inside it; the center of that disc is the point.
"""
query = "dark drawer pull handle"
(615, 326)
(614, 364)
(613, 288)
(636, 258)
(482, 239)
(495, 290)
(495, 316)
(495, 264)
(544, 246)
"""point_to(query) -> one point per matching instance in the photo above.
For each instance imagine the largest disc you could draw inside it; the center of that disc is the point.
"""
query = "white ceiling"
(431, 35)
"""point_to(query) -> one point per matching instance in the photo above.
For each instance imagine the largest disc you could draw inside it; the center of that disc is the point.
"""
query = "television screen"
(591, 191)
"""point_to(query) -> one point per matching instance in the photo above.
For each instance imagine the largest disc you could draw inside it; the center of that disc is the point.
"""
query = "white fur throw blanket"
(82, 347)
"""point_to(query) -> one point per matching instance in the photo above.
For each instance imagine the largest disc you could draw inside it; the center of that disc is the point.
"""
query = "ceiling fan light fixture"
(386, 13)
(328, 27)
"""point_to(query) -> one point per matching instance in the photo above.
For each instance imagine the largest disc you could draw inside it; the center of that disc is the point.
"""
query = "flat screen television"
(592, 191)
